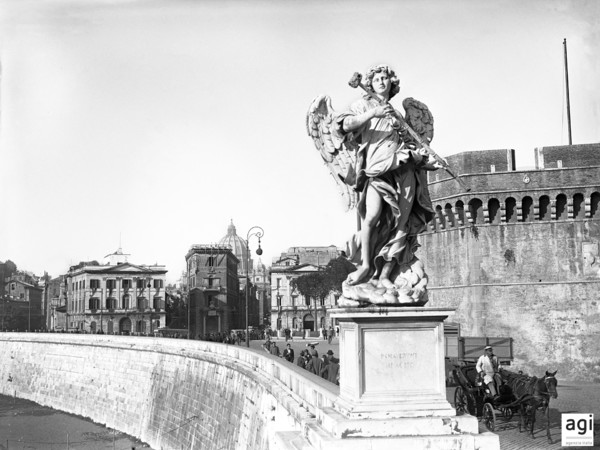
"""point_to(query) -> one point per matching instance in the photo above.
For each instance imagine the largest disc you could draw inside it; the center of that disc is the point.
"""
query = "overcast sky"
(155, 123)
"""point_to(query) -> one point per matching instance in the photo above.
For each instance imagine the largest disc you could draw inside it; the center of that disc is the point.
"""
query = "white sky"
(159, 121)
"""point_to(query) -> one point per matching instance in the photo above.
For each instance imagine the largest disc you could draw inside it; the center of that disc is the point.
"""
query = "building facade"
(21, 308)
(258, 274)
(116, 297)
(518, 255)
(214, 290)
(290, 309)
(55, 292)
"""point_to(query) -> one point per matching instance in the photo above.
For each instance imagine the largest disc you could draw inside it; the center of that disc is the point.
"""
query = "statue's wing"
(338, 154)
(419, 118)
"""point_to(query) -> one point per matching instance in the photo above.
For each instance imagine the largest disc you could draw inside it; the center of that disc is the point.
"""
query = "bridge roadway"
(574, 397)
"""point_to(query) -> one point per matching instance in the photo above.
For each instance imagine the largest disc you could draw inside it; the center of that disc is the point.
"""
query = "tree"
(176, 311)
(318, 285)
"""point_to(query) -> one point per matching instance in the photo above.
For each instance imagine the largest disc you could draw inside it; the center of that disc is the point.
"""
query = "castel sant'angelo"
(518, 255)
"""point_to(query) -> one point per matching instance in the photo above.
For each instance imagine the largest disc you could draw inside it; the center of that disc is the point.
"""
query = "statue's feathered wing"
(419, 118)
(339, 155)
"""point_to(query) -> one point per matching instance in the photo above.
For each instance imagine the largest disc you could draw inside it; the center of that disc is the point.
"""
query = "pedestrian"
(317, 365)
(301, 361)
(274, 349)
(329, 334)
(324, 363)
(288, 353)
(333, 368)
(267, 344)
(308, 363)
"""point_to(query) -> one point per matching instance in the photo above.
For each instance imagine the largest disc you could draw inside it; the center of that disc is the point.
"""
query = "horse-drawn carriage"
(472, 396)
(518, 392)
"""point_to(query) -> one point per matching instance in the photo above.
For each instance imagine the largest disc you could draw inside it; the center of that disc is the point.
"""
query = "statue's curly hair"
(382, 68)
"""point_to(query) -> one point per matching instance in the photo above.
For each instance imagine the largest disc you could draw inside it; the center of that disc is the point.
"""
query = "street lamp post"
(258, 232)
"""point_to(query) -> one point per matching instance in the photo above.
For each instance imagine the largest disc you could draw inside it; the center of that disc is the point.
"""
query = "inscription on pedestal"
(401, 361)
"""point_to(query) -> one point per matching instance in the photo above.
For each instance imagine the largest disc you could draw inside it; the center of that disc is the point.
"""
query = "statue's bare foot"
(358, 276)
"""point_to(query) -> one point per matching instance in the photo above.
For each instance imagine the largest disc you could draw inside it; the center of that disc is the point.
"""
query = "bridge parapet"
(170, 393)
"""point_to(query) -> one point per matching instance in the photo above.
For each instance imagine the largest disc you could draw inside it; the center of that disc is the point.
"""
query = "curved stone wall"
(169, 393)
(518, 256)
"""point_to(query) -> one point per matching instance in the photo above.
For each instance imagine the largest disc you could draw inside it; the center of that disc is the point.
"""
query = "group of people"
(327, 366)
(328, 334)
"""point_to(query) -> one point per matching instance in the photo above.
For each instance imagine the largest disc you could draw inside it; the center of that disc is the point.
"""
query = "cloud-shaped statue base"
(407, 286)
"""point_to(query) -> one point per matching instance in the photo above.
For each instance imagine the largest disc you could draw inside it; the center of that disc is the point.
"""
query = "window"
(126, 284)
(158, 303)
(126, 298)
(492, 168)
(111, 284)
(211, 261)
(142, 303)
(94, 284)
(94, 303)
(140, 283)
(158, 284)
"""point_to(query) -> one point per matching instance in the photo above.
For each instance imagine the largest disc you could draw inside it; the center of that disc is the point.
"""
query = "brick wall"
(169, 393)
(480, 161)
(582, 155)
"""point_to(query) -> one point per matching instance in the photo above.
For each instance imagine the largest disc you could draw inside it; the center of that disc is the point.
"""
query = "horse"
(533, 393)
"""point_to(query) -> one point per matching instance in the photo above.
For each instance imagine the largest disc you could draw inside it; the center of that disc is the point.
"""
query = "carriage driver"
(488, 368)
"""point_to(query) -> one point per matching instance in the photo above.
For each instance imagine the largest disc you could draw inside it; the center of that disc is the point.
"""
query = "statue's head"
(395, 88)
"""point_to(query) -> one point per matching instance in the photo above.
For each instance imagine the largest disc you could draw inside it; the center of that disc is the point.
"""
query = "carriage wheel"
(489, 417)
(507, 413)
(460, 401)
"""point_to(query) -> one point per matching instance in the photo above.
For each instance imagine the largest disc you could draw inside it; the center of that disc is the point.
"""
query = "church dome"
(238, 247)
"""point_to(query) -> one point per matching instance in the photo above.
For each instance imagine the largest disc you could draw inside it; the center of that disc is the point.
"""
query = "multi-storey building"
(518, 254)
(259, 292)
(21, 308)
(213, 284)
(116, 297)
(290, 309)
(55, 292)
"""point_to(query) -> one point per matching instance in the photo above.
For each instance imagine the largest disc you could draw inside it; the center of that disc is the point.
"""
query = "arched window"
(595, 199)
(561, 207)
(511, 210)
(527, 209)
(494, 210)
(440, 215)
(295, 323)
(460, 212)
(451, 220)
(476, 210)
(578, 206)
(544, 207)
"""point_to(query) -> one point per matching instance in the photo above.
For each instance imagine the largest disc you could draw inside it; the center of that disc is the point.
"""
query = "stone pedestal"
(392, 384)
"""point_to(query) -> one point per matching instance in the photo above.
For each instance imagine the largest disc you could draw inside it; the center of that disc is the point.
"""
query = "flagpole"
(568, 98)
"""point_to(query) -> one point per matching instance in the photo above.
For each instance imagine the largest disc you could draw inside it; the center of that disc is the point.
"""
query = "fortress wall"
(169, 393)
(536, 282)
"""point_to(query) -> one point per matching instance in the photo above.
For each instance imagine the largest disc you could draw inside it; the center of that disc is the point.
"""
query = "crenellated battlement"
(518, 255)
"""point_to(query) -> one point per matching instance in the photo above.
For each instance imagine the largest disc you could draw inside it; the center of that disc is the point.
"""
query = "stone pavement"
(572, 398)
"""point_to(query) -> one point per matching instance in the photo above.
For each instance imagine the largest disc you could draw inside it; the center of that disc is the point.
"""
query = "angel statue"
(379, 160)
